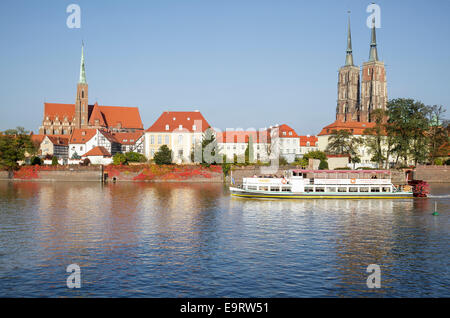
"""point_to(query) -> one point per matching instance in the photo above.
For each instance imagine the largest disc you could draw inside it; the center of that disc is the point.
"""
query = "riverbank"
(112, 173)
(183, 173)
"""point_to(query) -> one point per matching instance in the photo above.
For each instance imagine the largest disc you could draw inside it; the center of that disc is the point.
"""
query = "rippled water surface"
(179, 240)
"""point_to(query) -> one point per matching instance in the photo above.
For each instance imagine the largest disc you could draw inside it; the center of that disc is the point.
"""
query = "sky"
(242, 63)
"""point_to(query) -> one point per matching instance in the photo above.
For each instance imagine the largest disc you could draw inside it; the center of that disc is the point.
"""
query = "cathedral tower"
(81, 103)
(348, 86)
(373, 86)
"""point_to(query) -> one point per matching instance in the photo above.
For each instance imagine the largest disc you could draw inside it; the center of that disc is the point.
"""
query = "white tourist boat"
(308, 184)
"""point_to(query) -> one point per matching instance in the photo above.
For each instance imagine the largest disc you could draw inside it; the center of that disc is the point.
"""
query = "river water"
(193, 240)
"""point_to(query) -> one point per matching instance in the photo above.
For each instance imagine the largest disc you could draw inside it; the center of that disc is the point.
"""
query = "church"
(360, 92)
(63, 119)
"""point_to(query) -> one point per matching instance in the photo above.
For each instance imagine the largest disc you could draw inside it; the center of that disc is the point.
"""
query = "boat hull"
(325, 195)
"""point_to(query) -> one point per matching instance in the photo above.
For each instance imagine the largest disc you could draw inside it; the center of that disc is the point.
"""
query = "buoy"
(435, 213)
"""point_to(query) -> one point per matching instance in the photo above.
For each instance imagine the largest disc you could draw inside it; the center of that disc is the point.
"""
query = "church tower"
(81, 103)
(373, 87)
(348, 86)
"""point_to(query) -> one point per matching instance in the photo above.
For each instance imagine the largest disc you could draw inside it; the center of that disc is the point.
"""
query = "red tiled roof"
(113, 116)
(128, 138)
(108, 135)
(53, 110)
(37, 138)
(240, 136)
(357, 128)
(96, 115)
(127, 117)
(97, 151)
(285, 128)
(59, 139)
(81, 136)
(175, 119)
(312, 141)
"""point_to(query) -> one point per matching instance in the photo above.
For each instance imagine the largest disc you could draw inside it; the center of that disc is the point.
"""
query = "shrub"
(135, 157)
(85, 162)
(54, 161)
(283, 161)
(323, 165)
(35, 161)
(438, 161)
(448, 162)
(163, 156)
(119, 159)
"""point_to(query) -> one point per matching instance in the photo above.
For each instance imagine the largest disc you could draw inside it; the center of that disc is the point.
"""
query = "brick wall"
(432, 174)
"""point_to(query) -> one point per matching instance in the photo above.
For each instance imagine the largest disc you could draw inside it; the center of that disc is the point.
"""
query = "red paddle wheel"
(420, 188)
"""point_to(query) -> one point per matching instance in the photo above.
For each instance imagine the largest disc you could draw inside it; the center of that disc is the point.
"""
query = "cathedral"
(360, 92)
(359, 95)
(63, 119)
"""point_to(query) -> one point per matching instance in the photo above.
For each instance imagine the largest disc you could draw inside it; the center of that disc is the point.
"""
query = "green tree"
(320, 155)
(376, 136)
(75, 156)
(35, 160)
(163, 156)
(438, 133)
(14, 143)
(135, 157)
(407, 128)
(54, 161)
(209, 149)
(119, 159)
(342, 142)
(249, 151)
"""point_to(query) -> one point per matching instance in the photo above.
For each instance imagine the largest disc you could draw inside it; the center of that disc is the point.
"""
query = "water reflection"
(142, 239)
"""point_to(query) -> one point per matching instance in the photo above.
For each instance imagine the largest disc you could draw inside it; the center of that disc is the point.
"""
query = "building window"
(159, 139)
(167, 127)
(166, 139)
(180, 139)
(194, 127)
(308, 144)
(180, 127)
(152, 139)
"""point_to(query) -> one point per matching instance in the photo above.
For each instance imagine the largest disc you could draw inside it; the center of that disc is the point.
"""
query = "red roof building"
(97, 151)
(172, 121)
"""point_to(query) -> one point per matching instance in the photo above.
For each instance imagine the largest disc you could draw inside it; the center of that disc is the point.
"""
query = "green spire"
(373, 56)
(349, 56)
(82, 70)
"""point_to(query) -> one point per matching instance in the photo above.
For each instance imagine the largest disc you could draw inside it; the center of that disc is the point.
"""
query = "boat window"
(353, 189)
(372, 189)
(252, 187)
(341, 189)
(274, 188)
(263, 188)
(386, 189)
(309, 189)
(285, 189)
(364, 189)
(332, 189)
(320, 189)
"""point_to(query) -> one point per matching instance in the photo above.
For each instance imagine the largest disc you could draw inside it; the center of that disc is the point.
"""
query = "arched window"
(82, 94)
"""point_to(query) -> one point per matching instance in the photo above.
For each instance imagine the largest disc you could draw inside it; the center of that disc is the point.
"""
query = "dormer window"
(189, 118)
(290, 133)
(173, 118)
(167, 127)
(180, 127)
(83, 133)
(194, 127)
(284, 133)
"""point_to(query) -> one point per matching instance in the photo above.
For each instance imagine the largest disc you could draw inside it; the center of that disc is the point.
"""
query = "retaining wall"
(432, 174)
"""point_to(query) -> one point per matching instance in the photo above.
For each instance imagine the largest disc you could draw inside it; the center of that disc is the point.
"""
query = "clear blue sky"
(243, 63)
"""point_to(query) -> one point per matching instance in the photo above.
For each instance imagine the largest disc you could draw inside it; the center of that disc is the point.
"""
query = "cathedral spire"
(82, 68)
(349, 56)
(373, 56)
